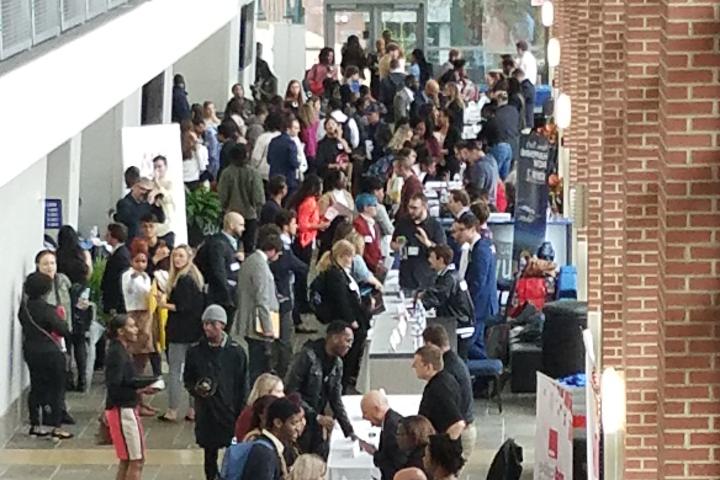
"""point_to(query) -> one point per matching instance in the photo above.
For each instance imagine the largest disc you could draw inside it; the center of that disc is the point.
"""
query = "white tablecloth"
(346, 461)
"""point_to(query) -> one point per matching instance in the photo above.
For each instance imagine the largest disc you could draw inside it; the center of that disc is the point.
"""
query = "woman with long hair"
(419, 67)
(184, 301)
(353, 55)
(210, 114)
(309, 117)
(443, 458)
(42, 329)
(324, 69)
(294, 96)
(402, 135)
(124, 389)
(266, 384)
(413, 435)
(455, 105)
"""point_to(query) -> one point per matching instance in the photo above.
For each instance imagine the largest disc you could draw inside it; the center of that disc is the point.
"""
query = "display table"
(346, 461)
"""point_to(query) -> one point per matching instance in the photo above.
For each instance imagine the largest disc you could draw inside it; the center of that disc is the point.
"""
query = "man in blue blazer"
(283, 154)
(478, 268)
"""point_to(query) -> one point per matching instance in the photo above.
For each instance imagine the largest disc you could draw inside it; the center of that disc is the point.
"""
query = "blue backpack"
(235, 458)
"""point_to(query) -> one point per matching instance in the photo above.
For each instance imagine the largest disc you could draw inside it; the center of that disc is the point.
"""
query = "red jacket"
(307, 214)
(372, 254)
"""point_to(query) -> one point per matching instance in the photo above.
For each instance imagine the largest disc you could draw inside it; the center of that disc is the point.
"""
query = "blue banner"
(531, 195)
(53, 213)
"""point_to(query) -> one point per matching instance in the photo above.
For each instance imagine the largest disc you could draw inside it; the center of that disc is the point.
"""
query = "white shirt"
(371, 224)
(528, 64)
(136, 289)
(340, 197)
(258, 159)
(194, 166)
(340, 117)
(301, 156)
(465, 255)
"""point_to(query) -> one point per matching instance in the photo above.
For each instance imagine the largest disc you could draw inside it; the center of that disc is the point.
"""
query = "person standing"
(277, 190)
(482, 170)
(316, 374)
(502, 133)
(441, 395)
(180, 104)
(241, 190)
(117, 263)
(184, 302)
(258, 309)
(387, 457)
(282, 154)
(219, 261)
(526, 61)
(216, 376)
(414, 234)
(42, 330)
(139, 202)
(368, 228)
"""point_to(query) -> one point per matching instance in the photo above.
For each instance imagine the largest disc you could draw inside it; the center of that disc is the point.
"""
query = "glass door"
(403, 26)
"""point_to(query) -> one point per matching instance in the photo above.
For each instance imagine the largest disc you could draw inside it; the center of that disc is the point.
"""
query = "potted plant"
(203, 211)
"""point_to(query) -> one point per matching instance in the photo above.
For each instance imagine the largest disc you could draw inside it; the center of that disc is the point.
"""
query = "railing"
(26, 23)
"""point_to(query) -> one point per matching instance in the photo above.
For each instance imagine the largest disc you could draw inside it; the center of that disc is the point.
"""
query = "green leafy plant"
(203, 210)
(96, 279)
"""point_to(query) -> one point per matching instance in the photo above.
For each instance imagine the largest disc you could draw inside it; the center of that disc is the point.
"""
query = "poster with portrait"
(140, 145)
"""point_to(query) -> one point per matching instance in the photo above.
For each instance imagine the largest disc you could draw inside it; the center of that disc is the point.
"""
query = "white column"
(167, 95)
(63, 178)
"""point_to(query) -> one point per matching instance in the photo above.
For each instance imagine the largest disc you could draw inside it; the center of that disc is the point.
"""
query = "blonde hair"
(358, 242)
(400, 137)
(456, 96)
(308, 467)
(307, 114)
(341, 248)
(189, 269)
(264, 385)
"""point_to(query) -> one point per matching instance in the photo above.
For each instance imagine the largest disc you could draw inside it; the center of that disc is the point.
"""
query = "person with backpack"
(216, 376)
(390, 86)
(283, 426)
(316, 374)
(449, 297)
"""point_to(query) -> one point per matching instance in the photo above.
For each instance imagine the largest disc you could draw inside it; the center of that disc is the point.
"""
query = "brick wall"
(645, 139)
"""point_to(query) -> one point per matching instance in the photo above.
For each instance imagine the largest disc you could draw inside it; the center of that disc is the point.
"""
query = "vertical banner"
(553, 431)
(139, 146)
(531, 196)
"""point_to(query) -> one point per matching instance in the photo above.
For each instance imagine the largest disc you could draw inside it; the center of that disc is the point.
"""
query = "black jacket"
(180, 105)
(35, 316)
(449, 299)
(111, 285)
(389, 458)
(184, 324)
(283, 270)
(389, 86)
(339, 302)
(216, 260)
(504, 127)
(263, 463)
(129, 212)
(225, 368)
(120, 378)
(306, 378)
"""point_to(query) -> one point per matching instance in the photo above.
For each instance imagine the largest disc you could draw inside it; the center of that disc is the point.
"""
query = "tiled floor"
(172, 454)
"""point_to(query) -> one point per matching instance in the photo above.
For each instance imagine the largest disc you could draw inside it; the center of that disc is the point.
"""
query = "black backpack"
(315, 297)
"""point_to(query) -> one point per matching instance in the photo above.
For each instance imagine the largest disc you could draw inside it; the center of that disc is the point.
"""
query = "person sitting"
(443, 460)
(413, 434)
(283, 427)
(387, 457)
(265, 384)
(316, 374)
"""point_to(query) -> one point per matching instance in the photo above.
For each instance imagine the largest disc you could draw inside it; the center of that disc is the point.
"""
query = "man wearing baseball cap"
(216, 377)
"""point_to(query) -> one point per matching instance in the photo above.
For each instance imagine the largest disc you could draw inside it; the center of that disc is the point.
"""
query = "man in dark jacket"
(502, 133)
(478, 268)
(528, 93)
(216, 376)
(450, 298)
(390, 86)
(387, 457)
(137, 204)
(219, 260)
(180, 105)
(283, 154)
(117, 263)
(316, 375)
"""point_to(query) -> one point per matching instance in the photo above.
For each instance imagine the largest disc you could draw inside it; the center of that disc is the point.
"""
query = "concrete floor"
(172, 454)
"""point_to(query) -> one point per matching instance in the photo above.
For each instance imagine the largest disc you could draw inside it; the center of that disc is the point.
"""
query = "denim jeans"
(503, 155)
(176, 361)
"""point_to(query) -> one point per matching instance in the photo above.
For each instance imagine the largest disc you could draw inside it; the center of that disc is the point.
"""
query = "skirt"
(126, 432)
(145, 342)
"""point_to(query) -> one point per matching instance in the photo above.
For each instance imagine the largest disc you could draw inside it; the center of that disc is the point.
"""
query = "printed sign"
(53, 213)
(554, 431)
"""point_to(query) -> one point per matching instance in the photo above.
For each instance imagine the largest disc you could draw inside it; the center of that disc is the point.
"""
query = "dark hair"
(149, 218)
(274, 121)
(351, 70)
(42, 253)
(513, 86)
(442, 252)
(268, 230)
(178, 80)
(394, 64)
(37, 284)
(260, 109)
(132, 176)
(284, 217)
(228, 129)
(508, 63)
(311, 187)
(70, 256)
(522, 45)
(238, 154)
(419, 196)
(336, 327)
(160, 158)
(418, 428)
(324, 55)
(437, 335)
(288, 120)
(481, 210)
(446, 453)
(276, 184)
(467, 145)
(281, 409)
(372, 183)
(271, 242)
(259, 407)
(468, 220)
(118, 231)
(198, 120)
(334, 104)
(333, 180)
(196, 113)
(117, 323)
(234, 106)
(460, 196)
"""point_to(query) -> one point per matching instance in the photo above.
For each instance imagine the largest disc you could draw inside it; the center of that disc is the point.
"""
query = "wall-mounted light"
(547, 13)
(613, 401)
(563, 111)
(553, 52)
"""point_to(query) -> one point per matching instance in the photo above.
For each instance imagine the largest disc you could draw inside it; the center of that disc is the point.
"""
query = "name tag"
(413, 251)
(368, 239)
(234, 267)
(463, 285)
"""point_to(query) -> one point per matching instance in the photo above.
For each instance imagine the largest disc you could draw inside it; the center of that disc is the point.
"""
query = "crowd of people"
(323, 192)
